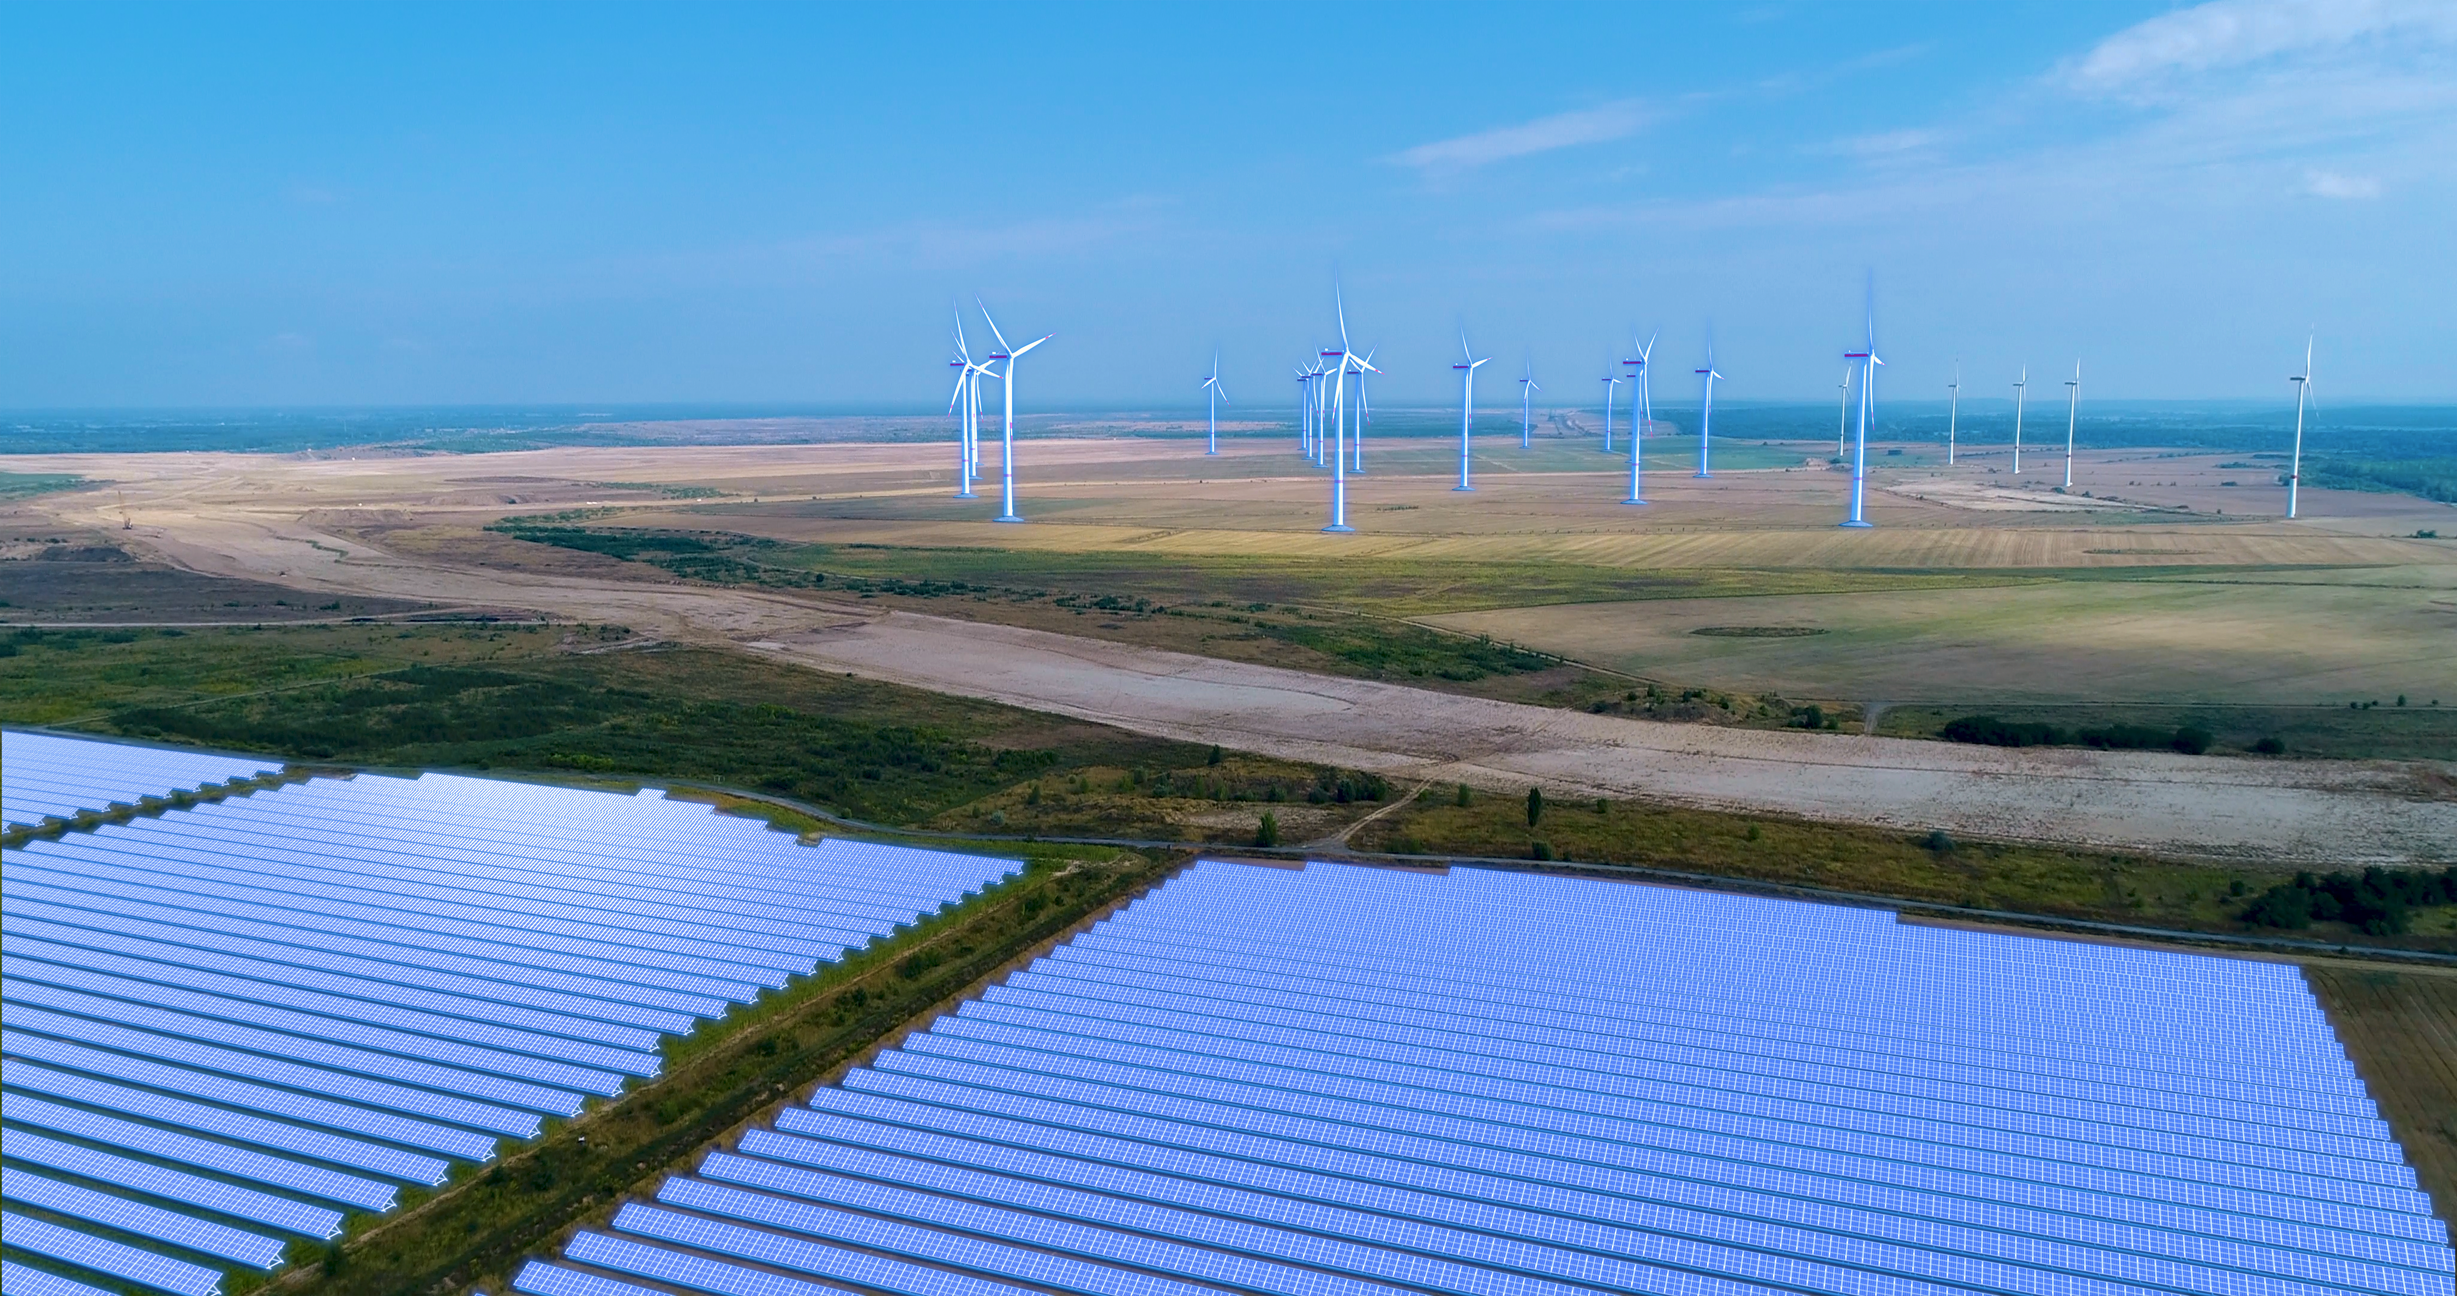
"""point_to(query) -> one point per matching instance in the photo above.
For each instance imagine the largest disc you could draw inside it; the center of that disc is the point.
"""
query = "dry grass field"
(2400, 1028)
(2155, 594)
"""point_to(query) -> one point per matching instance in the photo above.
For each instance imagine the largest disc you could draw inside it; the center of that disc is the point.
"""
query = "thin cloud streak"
(1601, 124)
(2231, 33)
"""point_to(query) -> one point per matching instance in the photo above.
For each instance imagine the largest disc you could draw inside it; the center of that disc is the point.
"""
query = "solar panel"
(55, 777)
(179, 1230)
(173, 1185)
(170, 1145)
(118, 1259)
(1348, 1079)
(25, 1280)
(261, 1010)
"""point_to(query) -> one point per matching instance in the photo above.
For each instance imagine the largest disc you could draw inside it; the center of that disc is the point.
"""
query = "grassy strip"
(2049, 881)
(478, 1228)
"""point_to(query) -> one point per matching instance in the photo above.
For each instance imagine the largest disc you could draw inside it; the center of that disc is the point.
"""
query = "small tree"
(1267, 833)
(1464, 797)
(1535, 805)
(1214, 758)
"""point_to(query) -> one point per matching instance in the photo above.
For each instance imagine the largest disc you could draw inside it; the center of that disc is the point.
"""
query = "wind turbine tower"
(2294, 471)
(1006, 439)
(1348, 363)
(1842, 412)
(1643, 407)
(2018, 386)
(2073, 403)
(1527, 389)
(960, 404)
(1467, 405)
(1610, 381)
(1859, 460)
(1706, 412)
(1211, 388)
(1953, 412)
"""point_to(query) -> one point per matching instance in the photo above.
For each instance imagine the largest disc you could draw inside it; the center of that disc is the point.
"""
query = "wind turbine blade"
(985, 314)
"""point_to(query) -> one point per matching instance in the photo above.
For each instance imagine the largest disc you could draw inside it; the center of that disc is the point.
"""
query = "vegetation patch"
(1758, 632)
(16, 485)
(1992, 732)
(2375, 902)
(2433, 479)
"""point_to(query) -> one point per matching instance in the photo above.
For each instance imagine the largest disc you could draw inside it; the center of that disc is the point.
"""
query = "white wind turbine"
(1305, 414)
(2073, 402)
(2294, 471)
(1842, 416)
(1211, 386)
(1527, 390)
(1859, 461)
(1006, 439)
(1349, 362)
(965, 404)
(960, 404)
(1364, 408)
(2018, 386)
(1642, 406)
(1467, 405)
(1953, 412)
(1706, 412)
(1611, 381)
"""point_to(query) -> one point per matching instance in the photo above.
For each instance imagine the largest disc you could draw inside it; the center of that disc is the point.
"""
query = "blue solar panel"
(171, 1185)
(220, 1012)
(25, 1280)
(44, 1238)
(25, 1188)
(239, 1125)
(170, 1145)
(339, 1083)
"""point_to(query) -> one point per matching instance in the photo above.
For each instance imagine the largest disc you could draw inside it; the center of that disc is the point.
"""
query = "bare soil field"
(306, 523)
(2319, 638)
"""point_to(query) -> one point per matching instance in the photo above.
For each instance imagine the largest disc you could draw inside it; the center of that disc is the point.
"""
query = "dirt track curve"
(2320, 812)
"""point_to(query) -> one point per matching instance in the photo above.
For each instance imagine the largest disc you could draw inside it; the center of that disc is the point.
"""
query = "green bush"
(1535, 806)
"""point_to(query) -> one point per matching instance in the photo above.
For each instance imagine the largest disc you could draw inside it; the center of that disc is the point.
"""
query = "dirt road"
(2316, 812)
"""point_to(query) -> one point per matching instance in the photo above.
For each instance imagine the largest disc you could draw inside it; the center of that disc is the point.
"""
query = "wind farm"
(549, 753)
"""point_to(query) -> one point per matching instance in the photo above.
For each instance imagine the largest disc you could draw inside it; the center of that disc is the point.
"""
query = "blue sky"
(359, 204)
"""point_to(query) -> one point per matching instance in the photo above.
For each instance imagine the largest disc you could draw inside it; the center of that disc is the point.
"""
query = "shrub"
(1939, 842)
(1992, 732)
(1465, 798)
(1535, 805)
(1267, 833)
(2270, 747)
(2192, 740)
(1540, 850)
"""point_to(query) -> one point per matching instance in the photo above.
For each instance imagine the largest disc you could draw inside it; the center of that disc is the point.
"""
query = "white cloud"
(2231, 33)
(1600, 124)
(1887, 144)
(2331, 184)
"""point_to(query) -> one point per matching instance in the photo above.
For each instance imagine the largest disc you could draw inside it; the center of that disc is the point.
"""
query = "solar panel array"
(44, 776)
(230, 1025)
(1356, 1082)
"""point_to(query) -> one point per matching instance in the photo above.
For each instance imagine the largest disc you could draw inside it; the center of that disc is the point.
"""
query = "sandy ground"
(294, 522)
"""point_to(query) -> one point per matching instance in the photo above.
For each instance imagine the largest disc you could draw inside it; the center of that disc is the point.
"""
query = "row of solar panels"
(50, 777)
(1352, 1082)
(228, 1025)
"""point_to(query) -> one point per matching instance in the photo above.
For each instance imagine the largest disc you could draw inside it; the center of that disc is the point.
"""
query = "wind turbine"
(1348, 363)
(1643, 406)
(1859, 462)
(2294, 471)
(2019, 384)
(1467, 405)
(965, 404)
(1610, 380)
(1006, 439)
(1305, 413)
(1528, 387)
(1364, 407)
(2073, 403)
(1211, 386)
(1953, 412)
(1706, 412)
(1842, 415)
